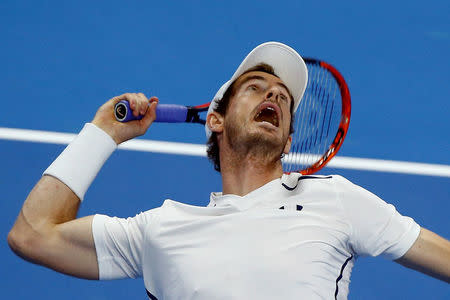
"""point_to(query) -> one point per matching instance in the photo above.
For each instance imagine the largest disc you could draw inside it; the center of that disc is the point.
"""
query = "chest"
(266, 246)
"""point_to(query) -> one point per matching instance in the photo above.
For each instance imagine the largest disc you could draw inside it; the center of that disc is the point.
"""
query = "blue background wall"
(61, 60)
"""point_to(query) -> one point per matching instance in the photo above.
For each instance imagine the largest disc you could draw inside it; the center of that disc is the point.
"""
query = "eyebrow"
(264, 79)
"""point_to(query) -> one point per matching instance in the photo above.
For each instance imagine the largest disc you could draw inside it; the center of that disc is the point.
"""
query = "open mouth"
(268, 112)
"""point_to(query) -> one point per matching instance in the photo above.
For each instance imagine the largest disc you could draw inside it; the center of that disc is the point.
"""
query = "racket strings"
(316, 120)
(329, 116)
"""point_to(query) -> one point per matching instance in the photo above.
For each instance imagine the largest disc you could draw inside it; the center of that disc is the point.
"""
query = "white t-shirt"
(296, 237)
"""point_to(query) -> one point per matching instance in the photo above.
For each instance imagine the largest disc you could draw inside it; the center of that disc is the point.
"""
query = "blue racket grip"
(168, 113)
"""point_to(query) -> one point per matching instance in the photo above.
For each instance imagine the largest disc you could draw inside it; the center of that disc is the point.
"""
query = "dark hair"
(222, 107)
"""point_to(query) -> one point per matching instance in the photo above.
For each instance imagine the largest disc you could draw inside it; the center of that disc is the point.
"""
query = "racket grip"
(171, 113)
(168, 113)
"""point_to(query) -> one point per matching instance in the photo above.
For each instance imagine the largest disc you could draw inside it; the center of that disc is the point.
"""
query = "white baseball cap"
(287, 64)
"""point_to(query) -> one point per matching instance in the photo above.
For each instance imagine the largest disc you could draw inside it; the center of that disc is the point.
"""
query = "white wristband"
(82, 159)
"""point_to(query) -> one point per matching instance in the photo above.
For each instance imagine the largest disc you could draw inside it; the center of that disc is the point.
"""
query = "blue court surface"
(60, 60)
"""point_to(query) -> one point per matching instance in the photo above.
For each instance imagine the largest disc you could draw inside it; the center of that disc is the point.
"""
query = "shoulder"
(293, 181)
(319, 190)
(174, 209)
(337, 183)
(103, 222)
(329, 188)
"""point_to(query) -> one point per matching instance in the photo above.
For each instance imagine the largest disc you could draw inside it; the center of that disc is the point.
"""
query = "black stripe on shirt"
(340, 276)
(302, 178)
(150, 295)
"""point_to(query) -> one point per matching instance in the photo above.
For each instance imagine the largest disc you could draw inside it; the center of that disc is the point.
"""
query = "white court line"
(380, 165)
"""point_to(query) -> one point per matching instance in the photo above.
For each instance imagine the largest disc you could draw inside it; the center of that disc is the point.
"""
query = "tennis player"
(265, 236)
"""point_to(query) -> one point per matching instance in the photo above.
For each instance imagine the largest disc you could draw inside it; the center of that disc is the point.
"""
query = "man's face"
(258, 116)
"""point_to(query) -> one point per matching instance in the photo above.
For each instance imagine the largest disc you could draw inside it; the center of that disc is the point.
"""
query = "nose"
(273, 94)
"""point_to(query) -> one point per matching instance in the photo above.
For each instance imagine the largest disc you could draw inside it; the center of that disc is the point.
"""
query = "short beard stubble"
(254, 145)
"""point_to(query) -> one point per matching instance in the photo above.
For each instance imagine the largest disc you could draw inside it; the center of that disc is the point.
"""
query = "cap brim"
(287, 64)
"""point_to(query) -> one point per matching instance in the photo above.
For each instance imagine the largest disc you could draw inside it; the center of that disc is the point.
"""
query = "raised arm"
(430, 254)
(46, 231)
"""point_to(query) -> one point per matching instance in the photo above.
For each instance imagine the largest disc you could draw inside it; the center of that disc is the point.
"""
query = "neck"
(244, 174)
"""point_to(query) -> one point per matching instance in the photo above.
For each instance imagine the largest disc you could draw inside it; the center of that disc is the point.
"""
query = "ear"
(287, 147)
(214, 121)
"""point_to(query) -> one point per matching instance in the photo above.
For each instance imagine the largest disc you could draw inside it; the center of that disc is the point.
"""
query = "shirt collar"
(267, 191)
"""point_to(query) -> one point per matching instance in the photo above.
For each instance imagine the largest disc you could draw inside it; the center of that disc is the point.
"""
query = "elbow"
(23, 244)
(18, 243)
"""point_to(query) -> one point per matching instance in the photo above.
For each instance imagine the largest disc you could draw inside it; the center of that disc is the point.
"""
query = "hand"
(121, 132)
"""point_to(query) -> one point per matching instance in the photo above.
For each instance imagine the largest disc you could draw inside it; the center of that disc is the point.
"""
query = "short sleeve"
(377, 227)
(119, 243)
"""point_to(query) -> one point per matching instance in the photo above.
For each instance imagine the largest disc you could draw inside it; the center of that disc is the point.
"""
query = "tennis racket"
(321, 121)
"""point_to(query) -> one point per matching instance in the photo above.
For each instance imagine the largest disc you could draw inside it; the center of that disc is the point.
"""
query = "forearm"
(56, 197)
(50, 203)
(430, 255)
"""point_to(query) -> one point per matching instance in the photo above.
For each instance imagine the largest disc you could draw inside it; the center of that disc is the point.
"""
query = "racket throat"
(192, 116)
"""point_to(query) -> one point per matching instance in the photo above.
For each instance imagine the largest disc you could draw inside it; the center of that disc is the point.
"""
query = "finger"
(134, 103)
(143, 103)
(114, 100)
(108, 106)
(128, 97)
(150, 115)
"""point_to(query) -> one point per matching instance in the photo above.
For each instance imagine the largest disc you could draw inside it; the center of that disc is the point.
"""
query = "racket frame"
(344, 122)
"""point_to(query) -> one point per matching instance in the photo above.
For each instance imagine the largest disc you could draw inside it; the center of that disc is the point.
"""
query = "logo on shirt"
(297, 207)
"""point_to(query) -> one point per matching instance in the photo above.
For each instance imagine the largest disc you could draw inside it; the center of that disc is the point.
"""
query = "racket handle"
(168, 113)
(171, 113)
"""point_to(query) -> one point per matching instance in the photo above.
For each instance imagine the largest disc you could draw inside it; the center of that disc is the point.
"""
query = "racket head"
(321, 121)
